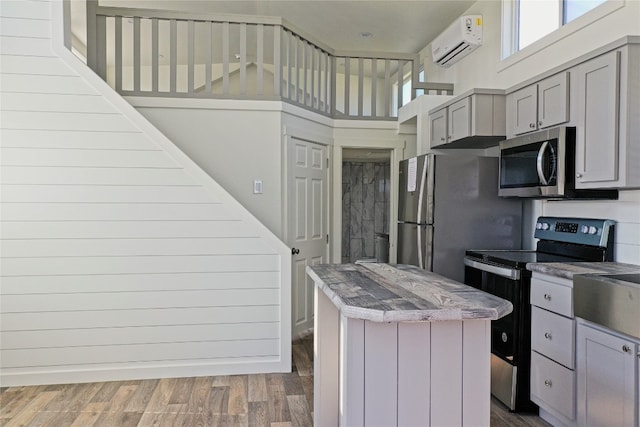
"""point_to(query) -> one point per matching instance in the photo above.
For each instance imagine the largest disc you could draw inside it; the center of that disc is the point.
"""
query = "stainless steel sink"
(610, 300)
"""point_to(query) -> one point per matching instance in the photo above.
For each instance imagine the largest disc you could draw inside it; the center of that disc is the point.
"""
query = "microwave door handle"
(543, 148)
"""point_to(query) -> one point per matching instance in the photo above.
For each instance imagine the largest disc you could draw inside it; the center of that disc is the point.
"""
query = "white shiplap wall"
(625, 211)
(120, 257)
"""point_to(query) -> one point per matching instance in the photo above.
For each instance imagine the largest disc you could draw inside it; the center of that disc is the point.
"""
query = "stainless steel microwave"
(542, 165)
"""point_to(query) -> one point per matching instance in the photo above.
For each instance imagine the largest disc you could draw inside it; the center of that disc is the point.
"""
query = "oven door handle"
(509, 273)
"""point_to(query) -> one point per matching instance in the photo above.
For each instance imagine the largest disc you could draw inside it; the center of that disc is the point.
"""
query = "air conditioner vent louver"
(458, 40)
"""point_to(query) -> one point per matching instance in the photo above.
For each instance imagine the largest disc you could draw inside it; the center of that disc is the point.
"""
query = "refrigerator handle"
(428, 261)
(423, 178)
(421, 195)
(419, 242)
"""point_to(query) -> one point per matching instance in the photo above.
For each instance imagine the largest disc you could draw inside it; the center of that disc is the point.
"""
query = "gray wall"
(365, 207)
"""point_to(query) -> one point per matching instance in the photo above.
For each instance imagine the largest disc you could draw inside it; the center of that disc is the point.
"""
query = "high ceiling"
(392, 25)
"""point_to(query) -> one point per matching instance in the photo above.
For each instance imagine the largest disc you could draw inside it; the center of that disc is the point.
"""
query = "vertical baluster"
(347, 85)
(92, 48)
(374, 85)
(155, 55)
(101, 46)
(260, 60)
(173, 56)
(118, 46)
(191, 41)
(331, 84)
(277, 58)
(296, 44)
(387, 88)
(313, 75)
(243, 58)
(360, 87)
(305, 69)
(321, 78)
(208, 71)
(415, 73)
(136, 54)
(400, 82)
(225, 58)
(289, 63)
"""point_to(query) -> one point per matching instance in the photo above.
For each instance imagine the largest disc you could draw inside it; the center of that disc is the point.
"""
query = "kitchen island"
(396, 345)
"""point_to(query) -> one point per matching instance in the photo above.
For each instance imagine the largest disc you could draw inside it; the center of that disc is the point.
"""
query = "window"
(530, 20)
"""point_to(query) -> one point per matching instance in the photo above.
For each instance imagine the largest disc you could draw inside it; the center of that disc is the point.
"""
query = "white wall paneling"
(326, 349)
(414, 392)
(381, 383)
(120, 257)
(352, 379)
(446, 402)
(625, 211)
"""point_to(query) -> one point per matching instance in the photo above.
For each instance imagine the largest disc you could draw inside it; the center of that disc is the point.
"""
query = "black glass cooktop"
(516, 259)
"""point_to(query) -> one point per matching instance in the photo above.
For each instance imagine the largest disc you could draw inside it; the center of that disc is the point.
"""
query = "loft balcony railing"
(142, 52)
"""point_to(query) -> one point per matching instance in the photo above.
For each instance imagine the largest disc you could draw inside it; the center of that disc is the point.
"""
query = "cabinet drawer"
(553, 336)
(552, 385)
(552, 297)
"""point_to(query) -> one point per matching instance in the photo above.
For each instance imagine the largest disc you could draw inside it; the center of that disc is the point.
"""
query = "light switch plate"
(257, 186)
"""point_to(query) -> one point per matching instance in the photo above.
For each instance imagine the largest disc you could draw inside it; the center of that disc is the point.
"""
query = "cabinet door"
(597, 142)
(553, 100)
(438, 121)
(459, 119)
(522, 107)
(606, 379)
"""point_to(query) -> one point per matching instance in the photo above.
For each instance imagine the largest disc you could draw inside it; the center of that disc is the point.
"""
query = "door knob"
(295, 251)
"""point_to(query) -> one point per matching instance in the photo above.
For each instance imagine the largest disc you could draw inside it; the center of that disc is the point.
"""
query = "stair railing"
(142, 52)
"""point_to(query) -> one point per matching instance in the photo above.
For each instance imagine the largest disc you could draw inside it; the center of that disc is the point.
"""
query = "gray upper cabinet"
(522, 110)
(597, 137)
(438, 122)
(459, 119)
(475, 119)
(607, 124)
(598, 94)
(539, 105)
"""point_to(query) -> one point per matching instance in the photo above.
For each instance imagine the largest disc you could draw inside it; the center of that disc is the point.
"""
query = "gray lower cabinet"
(553, 349)
(607, 375)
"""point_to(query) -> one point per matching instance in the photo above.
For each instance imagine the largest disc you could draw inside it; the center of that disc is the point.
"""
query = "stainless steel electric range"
(503, 273)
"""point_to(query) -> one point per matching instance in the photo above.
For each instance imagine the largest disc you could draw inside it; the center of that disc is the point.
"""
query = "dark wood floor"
(273, 400)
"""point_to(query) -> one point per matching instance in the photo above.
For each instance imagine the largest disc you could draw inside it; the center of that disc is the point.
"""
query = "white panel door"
(307, 224)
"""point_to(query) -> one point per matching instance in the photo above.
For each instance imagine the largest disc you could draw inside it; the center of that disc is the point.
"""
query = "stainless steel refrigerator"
(448, 204)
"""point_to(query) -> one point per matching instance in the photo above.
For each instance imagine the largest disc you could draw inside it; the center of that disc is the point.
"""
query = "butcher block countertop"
(402, 293)
(566, 270)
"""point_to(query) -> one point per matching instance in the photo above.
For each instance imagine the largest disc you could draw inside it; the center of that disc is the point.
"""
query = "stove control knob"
(593, 230)
(538, 226)
(584, 229)
(545, 225)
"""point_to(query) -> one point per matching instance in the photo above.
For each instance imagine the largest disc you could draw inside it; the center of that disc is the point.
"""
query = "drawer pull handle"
(626, 348)
(548, 383)
(547, 297)
(547, 335)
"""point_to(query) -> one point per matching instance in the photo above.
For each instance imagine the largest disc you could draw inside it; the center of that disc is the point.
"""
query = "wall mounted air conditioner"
(460, 39)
